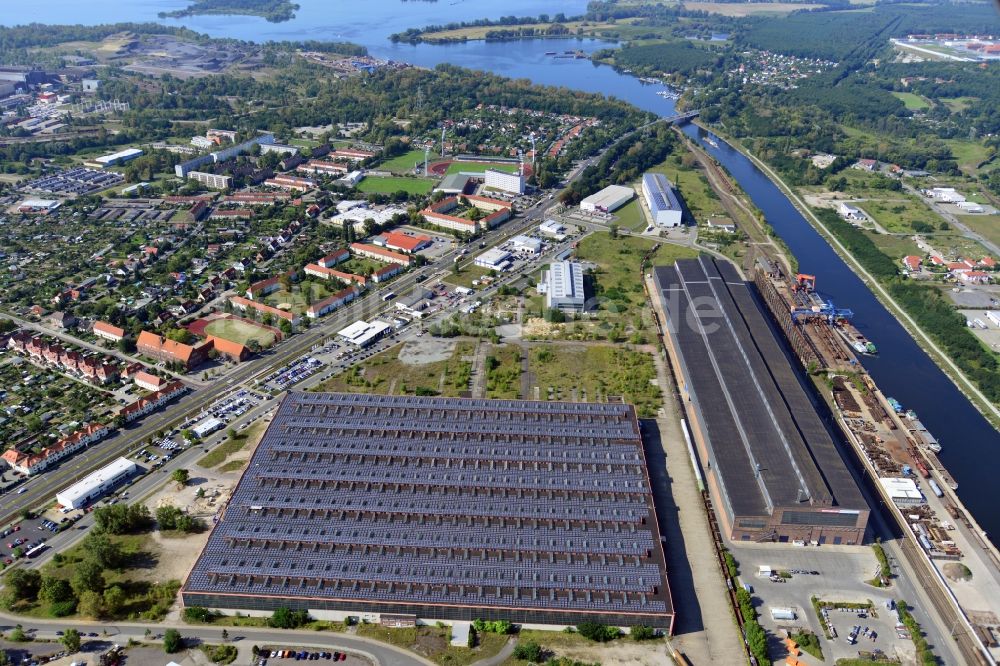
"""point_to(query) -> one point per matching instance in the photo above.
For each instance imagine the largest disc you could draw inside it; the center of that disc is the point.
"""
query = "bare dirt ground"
(426, 350)
(619, 653)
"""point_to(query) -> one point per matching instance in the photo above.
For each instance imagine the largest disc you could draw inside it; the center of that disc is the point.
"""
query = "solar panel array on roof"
(445, 508)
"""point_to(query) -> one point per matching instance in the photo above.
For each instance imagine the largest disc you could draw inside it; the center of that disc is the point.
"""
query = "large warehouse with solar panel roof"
(540, 513)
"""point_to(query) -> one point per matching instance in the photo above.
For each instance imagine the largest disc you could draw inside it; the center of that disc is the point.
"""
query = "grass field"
(404, 163)
(385, 373)
(618, 276)
(748, 9)
(912, 101)
(297, 299)
(968, 154)
(958, 104)
(896, 247)
(392, 185)
(987, 226)
(248, 437)
(599, 371)
(631, 217)
(240, 332)
(898, 211)
(503, 379)
(478, 167)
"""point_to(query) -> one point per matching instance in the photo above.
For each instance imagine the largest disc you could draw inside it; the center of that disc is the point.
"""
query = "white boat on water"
(712, 142)
(924, 435)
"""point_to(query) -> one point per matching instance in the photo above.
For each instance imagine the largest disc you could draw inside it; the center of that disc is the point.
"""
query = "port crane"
(809, 304)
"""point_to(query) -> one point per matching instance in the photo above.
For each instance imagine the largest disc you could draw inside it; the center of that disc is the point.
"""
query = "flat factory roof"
(361, 332)
(769, 445)
(86, 485)
(610, 197)
(443, 507)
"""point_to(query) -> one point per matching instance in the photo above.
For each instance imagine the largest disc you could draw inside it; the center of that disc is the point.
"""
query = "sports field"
(383, 185)
(479, 167)
(404, 163)
(240, 331)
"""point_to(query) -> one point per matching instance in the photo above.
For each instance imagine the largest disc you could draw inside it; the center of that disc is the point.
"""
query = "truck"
(782, 614)
(935, 487)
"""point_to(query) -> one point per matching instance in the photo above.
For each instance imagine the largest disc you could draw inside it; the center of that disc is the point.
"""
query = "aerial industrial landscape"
(323, 339)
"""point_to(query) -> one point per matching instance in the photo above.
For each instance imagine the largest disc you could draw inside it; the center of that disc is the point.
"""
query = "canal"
(971, 446)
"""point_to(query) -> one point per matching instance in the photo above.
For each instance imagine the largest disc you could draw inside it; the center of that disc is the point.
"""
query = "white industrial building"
(215, 181)
(351, 179)
(553, 229)
(207, 427)
(494, 260)
(903, 491)
(362, 333)
(849, 212)
(526, 245)
(563, 286)
(120, 157)
(607, 200)
(96, 484)
(661, 200)
(508, 182)
(945, 194)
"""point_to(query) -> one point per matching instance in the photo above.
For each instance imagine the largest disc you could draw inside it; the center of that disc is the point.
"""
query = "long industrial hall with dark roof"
(773, 467)
(539, 513)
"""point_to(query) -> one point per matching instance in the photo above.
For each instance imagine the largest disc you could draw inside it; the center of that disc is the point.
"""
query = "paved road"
(381, 653)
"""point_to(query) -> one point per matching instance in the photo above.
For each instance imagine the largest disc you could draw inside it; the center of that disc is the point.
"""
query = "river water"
(971, 445)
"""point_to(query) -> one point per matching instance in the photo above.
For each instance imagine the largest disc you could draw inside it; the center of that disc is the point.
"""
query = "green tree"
(596, 631)
(101, 549)
(121, 518)
(285, 618)
(21, 584)
(529, 651)
(54, 590)
(114, 599)
(17, 635)
(71, 640)
(91, 604)
(172, 641)
(181, 477)
(88, 576)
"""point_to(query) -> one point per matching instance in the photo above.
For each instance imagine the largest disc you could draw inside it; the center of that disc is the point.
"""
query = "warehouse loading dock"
(773, 468)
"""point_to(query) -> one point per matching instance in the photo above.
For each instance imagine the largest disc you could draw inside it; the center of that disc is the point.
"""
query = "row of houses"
(325, 273)
(245, 304)
(438, 214)
(331, 303)
(32, 463)
(965, 270)
(151, 402)
(93, 367)
(190, 356)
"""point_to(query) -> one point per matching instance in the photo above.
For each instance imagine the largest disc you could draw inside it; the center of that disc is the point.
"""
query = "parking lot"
(833, 577)
(293, 373)
(276, 655)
